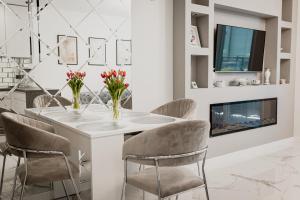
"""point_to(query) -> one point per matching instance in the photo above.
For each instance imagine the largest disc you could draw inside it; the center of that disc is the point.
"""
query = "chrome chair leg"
(123, 190)
(65, 189)
(15, 180)
(206, 191)
(2, 175)
(75, 188)
(25, 178)
(144, 195)
(72, 179)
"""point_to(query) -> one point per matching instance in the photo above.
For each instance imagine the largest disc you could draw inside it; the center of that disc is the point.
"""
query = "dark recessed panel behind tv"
(239, 49)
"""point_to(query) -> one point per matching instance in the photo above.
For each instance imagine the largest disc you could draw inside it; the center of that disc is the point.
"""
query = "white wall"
(297, 81)
(152, 35)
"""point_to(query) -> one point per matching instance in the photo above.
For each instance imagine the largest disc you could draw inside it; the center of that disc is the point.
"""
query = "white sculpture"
(267, 76)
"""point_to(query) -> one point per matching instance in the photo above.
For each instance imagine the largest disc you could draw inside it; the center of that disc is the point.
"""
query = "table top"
(96, 121)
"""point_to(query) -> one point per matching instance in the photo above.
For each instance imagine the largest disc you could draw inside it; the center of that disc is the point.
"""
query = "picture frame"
(194, 37)
(98, 50)
(68, 50)
(123, 52)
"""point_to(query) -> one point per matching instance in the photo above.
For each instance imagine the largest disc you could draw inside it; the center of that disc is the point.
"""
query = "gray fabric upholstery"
(46, 170)
(173, 180)
(177, 138)
(42, 100)
(4, 150)
(181, 108)
(2, 110)
(27, 133)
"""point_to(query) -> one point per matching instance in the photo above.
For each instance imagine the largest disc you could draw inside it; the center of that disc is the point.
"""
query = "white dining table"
(98, 140)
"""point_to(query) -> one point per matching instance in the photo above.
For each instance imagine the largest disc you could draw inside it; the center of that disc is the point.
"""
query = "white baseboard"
(247, 154)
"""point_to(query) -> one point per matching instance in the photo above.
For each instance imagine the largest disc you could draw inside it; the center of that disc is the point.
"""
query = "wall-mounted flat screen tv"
(239, 49)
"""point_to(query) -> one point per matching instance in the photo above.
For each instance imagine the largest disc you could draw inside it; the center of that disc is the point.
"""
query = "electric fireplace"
(226, 118)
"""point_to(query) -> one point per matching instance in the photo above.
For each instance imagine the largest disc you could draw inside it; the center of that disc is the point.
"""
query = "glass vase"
(116, 109)
(76, 100)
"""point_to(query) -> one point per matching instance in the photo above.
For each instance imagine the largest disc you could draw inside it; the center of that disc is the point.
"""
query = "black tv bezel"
(215, 52)
(243, 129)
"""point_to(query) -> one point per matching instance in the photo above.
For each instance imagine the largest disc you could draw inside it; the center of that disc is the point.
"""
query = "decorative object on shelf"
(239, 82)
(124, 52)
(75, 81)
(115, 83)
(282, 81)
(219, 84)
(67, 50)
(255, 82)
(267, 76)
(195, 39)
(194, 85)
(97, 51)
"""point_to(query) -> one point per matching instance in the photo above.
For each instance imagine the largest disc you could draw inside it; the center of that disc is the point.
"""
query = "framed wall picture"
(97, 51)
(124, 52)
(194, 37)
(67, 50)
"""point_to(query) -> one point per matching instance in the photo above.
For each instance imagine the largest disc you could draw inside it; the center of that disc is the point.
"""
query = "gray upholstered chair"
(44, 152)
(168, 149)
(181, 108)
(41, 101)
(4, 150)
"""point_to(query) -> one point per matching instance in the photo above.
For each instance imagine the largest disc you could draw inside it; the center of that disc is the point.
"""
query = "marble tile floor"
(271, 176)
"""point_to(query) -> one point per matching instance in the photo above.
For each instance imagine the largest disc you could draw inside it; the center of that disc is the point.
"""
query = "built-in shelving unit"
(286, 40)
(277, 19)
(195, 64)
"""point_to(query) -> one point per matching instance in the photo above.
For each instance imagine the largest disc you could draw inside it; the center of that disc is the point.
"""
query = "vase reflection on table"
(115, 83)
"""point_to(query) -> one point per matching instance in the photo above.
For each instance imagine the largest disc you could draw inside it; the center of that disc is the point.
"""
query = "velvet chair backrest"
(26, 133)
(181, 108)
(174, 139)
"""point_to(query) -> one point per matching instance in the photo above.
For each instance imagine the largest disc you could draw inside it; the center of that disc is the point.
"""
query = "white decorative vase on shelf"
(267, 76)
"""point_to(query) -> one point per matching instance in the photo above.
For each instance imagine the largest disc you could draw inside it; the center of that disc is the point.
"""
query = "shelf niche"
(202, 22)
(285, 66)
(201, 2)
(286, 38)
(199, 70)
(287, 8)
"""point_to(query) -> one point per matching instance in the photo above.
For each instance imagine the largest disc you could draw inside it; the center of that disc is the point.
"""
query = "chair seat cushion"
(173, 180)
(42, 170)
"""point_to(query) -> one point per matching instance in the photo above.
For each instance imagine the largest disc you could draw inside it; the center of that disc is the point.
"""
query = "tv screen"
(239, 49)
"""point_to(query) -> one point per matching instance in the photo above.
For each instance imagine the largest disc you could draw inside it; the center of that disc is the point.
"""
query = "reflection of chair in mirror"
(42, 101)
(168, 149)
(126, 99)
(181, 108)
(45, 156)
(4, 150)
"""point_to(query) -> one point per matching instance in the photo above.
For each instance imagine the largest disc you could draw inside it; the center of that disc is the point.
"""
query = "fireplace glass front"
(233, 117)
